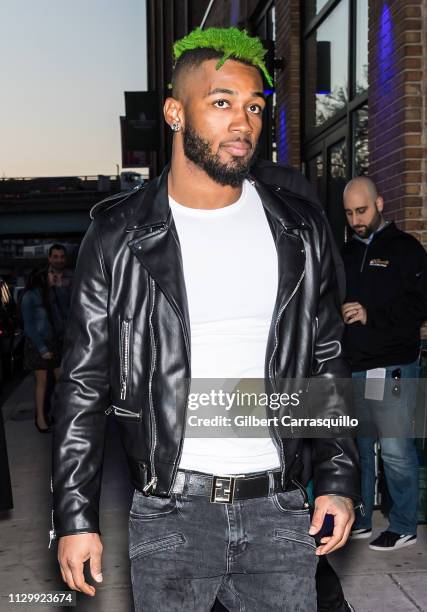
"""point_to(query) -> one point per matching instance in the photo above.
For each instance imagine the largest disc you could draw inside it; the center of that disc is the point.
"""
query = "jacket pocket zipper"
(151, 486)
(124, 357)
(122, 412)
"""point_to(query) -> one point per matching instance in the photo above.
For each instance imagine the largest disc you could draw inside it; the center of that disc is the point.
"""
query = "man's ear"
(379, 202)
(173, 112)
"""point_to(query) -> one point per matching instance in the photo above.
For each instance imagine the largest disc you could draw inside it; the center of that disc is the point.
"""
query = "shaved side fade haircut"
(216, 43)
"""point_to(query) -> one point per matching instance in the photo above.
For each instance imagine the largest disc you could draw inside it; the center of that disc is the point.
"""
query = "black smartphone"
(326, 530)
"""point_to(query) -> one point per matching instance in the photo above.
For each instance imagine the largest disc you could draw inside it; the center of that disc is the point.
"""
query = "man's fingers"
(68, 578)
(346, 534)
(350, 306)
(342, 526)
(79, 579)
(324, 549)
(95, 567)
(317, 521)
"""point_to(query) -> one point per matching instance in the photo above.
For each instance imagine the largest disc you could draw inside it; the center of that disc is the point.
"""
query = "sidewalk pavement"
(372, 581)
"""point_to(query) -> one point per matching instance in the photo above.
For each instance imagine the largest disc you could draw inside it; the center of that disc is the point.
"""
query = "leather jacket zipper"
(270, 367)
(122, 412)
(52, 532)
(124, 358)
(313, 342)
(151, 486)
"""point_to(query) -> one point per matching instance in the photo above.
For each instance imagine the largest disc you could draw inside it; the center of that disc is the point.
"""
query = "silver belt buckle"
(223, 489)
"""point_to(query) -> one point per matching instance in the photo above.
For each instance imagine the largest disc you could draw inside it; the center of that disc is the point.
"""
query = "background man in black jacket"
(385, 306)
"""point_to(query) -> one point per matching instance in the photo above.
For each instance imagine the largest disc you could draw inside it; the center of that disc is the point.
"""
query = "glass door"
(327, 170)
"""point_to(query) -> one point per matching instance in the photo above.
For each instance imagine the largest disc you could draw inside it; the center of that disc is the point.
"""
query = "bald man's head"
(362, 184)
(363, 206)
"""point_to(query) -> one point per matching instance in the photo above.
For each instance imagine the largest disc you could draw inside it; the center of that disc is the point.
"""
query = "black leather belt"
(226, 489)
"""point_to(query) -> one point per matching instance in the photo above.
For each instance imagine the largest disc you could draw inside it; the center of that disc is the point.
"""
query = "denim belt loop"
(270, 483)
(187, 476)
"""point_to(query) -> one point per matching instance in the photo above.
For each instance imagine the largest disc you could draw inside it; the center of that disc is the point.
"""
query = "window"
(361, 84)
(326, 57)
(360, 141)
(335, 99)
(313, 7)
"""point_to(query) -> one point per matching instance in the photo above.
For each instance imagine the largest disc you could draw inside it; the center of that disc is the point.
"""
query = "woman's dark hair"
(38, 280)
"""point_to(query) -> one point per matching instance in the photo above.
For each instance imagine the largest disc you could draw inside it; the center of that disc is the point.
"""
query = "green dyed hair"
(231, 42)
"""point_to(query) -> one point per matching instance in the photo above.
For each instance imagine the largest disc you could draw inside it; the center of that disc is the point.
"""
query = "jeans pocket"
(291, 502)
(148, 507)
(142, 549)
(295, 536)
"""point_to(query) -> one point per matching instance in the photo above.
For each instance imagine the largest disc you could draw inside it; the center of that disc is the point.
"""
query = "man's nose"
(241, 121)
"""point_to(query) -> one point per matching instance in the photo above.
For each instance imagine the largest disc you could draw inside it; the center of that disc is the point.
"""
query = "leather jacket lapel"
(284, 220)
(156, 246)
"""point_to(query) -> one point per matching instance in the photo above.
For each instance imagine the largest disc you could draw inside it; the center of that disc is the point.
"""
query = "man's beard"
(371, 228)
(198, 150)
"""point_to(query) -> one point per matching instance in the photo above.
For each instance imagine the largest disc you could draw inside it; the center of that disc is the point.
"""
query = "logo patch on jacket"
(379, 263)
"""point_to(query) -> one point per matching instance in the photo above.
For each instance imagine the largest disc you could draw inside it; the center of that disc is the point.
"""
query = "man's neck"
(190, 186)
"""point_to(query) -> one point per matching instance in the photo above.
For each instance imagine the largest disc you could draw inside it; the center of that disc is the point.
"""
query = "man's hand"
(73, 551)
(352, 312)
(342, 510)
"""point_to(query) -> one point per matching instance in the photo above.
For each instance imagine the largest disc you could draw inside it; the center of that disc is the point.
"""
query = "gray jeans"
(254, 555)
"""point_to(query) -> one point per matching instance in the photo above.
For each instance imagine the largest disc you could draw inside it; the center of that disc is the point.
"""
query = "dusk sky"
(64, 67)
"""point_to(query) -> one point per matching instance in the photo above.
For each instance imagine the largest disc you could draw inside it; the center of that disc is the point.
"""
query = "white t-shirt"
(230, 271)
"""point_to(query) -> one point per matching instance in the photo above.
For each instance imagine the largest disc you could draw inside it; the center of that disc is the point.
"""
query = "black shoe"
(360, 534)
(389, 540)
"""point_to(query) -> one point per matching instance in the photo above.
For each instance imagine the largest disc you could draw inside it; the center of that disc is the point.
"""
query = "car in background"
(11, 336)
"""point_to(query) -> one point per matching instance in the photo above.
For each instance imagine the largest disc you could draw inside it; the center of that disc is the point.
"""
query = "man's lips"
(237, 148)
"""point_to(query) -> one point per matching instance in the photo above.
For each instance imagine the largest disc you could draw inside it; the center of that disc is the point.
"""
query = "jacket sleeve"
(411, 306)
(81, 397)
(335, 460)
(28, 308)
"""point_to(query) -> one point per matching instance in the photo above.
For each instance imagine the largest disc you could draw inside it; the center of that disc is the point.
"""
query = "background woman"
(42, 352)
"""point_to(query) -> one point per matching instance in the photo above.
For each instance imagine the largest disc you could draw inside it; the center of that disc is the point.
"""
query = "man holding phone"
(385, 306)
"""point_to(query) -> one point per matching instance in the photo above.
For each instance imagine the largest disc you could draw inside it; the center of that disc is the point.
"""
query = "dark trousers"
(330, 596)
(6, 501)
(255, 555)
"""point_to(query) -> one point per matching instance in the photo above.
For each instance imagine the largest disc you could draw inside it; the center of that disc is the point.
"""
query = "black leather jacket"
(128, 343)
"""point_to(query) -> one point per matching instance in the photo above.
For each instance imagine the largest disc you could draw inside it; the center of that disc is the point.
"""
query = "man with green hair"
(209, 272)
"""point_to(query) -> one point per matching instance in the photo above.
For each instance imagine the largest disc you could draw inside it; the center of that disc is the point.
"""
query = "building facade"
(350, 91)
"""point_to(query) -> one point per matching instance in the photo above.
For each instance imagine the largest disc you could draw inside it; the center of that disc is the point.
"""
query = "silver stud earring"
(175, 127)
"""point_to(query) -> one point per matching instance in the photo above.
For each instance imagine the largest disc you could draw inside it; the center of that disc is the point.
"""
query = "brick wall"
(288, 82)
(398, 109)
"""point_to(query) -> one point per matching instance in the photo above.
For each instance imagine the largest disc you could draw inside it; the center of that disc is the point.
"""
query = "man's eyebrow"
(230, 92)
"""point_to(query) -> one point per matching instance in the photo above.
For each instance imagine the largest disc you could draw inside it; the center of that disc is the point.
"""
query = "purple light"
(385, 51)
(282, 145)
(235, 10)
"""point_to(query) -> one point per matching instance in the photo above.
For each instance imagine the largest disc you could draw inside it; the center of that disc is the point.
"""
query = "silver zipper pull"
(123, 391)
(361, 508)
(151, 485)
(109, 410)
(52, 537)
